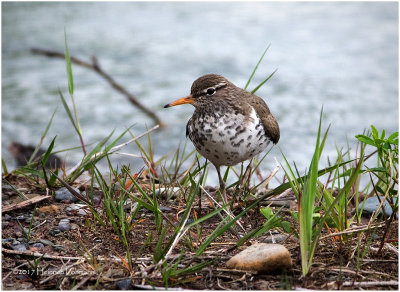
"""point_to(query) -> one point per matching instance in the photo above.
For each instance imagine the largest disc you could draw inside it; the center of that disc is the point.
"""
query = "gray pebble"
(64, 225)
(79, 209)
(7, 217)
(277, 238)
(63, 194)
(167, 191)
(165, 209)
(55, 232)
(23, 217)
(59, 247)
(4, 240)
(7, 188)
(371, 205)
(38, 245)
(124, 284)
(22, 239)
(46, 242)
(28, 219)
(19, 247)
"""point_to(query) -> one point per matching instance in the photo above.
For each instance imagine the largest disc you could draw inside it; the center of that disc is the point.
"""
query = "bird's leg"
(248, 173)
(245, 176)
(221, 185)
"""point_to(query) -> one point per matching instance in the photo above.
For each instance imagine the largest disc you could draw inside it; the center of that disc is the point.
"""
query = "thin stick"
(95, 66)
(24, 204)
(66, 258)
(370, 284)
(354, 230)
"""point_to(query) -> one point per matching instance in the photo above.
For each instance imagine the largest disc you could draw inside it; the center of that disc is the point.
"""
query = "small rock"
(129, 205)
(74, 226)
(97, 199)
(38, 245)
(46, 242)
(165, 209)
(55, 232)
(23, 217)
(4, 240)
(167, 191)
(7, 188)
(77, 209)
(7, 217)
(63, 194)
(59, 247)
(19, 247)
(262, 257)
(277, 238)
(124, 284)
(371, 205)
(22, 239)
(28, 219)
(22, 277)
(64, 225)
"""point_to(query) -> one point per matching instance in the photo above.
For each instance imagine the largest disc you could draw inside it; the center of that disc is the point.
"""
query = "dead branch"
(370, 284)
(95, 66)
(24, 204)
(66, 258)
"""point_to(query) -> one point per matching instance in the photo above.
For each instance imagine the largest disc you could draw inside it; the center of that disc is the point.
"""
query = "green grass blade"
(48, 152)
(42, 138)
(69, 67)
(68, 111)
(262, 83)
(4, 166)
(256, 67)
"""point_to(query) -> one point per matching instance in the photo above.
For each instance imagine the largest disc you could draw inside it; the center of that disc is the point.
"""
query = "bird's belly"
(228, 140)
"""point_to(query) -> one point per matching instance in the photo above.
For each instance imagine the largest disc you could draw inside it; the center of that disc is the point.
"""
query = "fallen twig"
(370, 284)
(354, 230)
(95, 66)
(24, 204)
(66, 258)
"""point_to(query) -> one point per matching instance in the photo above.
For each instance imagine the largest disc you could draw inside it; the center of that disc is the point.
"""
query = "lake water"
(339, 55)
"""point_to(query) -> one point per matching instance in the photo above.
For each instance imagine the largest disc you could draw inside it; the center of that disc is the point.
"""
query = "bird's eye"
(211, 91)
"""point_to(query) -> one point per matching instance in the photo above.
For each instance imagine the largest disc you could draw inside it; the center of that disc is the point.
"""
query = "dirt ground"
(336, 265)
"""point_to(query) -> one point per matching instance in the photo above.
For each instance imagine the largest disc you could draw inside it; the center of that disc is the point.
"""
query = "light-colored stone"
(262, 257)
(77, 209)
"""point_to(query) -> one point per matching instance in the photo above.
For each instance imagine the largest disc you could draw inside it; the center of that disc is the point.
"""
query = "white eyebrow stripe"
(219, 85)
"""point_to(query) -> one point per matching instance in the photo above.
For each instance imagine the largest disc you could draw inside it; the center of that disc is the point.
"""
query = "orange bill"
(183, 100)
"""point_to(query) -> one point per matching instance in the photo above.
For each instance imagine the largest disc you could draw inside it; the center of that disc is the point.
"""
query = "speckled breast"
(227, 138)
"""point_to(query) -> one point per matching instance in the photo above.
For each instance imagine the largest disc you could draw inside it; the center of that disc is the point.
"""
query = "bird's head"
(208, 86)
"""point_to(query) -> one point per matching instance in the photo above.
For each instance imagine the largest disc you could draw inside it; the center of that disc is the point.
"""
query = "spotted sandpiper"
(229, 125)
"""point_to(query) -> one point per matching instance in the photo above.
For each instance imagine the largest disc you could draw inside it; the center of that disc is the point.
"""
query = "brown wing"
(271, 126)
